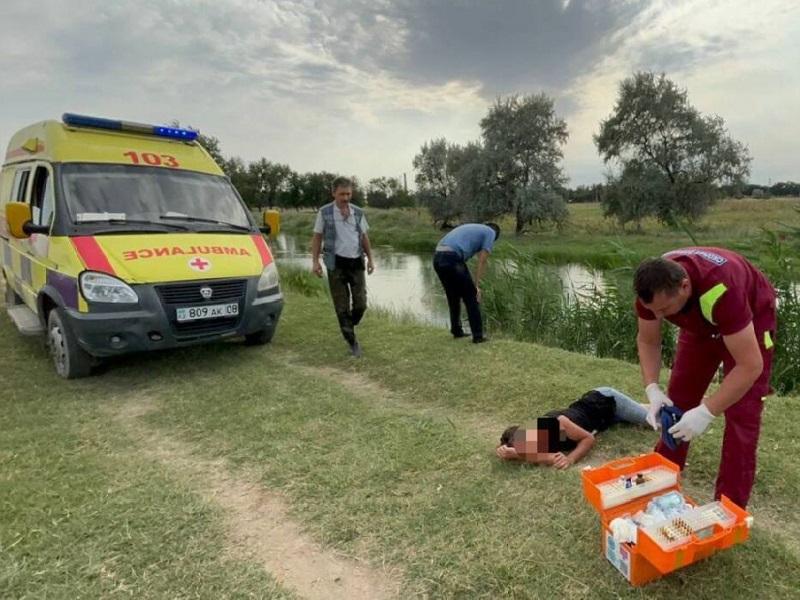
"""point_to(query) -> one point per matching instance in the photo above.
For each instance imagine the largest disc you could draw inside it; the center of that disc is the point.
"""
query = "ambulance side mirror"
(272, 223)
(18, 215)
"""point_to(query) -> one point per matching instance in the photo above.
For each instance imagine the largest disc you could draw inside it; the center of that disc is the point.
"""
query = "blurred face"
(342, 195)
(666, 304)
(536, 441)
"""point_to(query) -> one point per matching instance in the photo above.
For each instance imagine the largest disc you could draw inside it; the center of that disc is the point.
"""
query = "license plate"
(212, 311)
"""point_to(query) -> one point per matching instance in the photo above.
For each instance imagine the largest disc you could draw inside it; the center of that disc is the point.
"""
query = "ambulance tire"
(70, 360)
(259, 338)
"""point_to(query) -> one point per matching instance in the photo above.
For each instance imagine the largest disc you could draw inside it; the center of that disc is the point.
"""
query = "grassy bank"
(588, 238)
(388, 460)
(525, 300)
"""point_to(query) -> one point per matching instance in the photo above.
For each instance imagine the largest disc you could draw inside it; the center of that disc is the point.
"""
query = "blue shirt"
(468, 240)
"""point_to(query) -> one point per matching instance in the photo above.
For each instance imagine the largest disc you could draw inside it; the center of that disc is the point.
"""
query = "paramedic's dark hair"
(342, 182)
(496, 228)
(656, 275)
(507, 438)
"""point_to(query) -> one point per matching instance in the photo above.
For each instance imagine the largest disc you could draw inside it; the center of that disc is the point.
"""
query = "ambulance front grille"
(188, 294)
(184, 295)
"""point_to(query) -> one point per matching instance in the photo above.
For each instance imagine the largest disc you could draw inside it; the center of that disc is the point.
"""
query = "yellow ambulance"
(121, 237)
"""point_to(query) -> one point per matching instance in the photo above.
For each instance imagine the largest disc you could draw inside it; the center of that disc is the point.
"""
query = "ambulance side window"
(20, 185)
(42, 200)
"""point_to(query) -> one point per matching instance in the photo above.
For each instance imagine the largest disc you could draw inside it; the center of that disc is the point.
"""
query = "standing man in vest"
(726, 311)
(450, 264)
(341, 232)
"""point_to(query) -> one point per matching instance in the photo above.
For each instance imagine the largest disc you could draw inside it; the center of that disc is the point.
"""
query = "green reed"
(525, 300)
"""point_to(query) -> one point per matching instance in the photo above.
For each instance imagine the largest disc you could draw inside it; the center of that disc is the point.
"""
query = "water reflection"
(578, 280)
(406, 283)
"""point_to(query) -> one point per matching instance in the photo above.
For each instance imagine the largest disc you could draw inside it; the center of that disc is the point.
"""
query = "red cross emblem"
(200, 264)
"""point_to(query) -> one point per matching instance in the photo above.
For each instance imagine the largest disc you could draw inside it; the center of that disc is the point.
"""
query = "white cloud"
(735, 58)
(322, 85)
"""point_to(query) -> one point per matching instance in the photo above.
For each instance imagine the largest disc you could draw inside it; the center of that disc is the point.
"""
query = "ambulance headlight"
(99, 287)
(269, 278)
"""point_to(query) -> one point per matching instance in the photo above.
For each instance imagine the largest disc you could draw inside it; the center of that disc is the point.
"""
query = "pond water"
(406, 284)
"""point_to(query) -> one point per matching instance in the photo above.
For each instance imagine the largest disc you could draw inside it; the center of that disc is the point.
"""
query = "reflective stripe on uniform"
(768, 343)
(709, 299)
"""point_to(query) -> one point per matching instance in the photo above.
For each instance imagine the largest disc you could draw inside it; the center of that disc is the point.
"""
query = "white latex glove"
(623, 530)
(657, 399)
(693, 423)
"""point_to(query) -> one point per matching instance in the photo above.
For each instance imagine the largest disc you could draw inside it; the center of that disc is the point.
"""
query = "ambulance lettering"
(143, 253)
(711, 257)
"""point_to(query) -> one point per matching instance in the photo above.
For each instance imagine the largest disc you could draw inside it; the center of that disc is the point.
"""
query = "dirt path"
(259, 525)
(380, 397)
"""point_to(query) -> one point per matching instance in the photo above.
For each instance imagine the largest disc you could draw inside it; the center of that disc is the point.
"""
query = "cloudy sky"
(357, 86)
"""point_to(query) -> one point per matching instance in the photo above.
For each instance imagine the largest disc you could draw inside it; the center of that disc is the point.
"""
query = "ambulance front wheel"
(259, 338)
(70, 360)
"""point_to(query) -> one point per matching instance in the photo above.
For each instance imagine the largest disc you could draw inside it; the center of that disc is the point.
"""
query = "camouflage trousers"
(349, 292)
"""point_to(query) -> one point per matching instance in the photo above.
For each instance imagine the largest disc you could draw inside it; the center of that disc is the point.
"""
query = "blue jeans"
(628, 410)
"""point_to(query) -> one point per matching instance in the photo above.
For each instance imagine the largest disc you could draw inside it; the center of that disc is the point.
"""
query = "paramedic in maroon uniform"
(725, 309)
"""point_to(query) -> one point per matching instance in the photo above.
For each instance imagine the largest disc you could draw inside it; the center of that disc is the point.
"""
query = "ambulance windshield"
(118, 194)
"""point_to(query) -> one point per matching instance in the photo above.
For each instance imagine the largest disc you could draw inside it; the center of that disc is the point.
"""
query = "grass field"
(589, 238)
(160, 477)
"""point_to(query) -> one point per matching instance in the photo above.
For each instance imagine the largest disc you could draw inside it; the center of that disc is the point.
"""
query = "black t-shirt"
(593, 412)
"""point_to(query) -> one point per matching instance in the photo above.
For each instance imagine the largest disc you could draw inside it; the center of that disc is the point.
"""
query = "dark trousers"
(458, 286)
(696, 362)
(349, 292)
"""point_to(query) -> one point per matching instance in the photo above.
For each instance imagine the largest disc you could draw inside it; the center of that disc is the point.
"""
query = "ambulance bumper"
(153, 323)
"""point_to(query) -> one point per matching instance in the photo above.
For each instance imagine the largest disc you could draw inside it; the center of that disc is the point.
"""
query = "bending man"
(725, 309)
(450, 264)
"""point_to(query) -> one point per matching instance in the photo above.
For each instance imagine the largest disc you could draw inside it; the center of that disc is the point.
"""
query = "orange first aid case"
(624, 487)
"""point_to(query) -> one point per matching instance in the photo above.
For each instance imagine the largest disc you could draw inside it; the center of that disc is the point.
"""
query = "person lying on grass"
(562, 437)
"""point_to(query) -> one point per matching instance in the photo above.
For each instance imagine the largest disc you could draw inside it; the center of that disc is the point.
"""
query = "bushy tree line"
(665, 160)
(595, 192)
(263, 183)
(754, 190)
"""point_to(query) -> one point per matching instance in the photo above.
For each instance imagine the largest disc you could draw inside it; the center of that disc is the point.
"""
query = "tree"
(212, 146)
(584, 193)
(480, 192)
(522, 137)
(656, 134)
(315, 188)
(631, 195)
(435, 183)
(237, 171)
(293, 195)
(209, 142)
(785, 188)
(387, 192)
(269, 179)
(358, 196)
(542, 205)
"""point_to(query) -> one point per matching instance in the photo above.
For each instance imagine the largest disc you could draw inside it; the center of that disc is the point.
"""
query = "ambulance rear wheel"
(70, 360)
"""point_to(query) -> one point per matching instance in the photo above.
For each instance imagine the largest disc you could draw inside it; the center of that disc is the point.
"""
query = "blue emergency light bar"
(174, 133)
